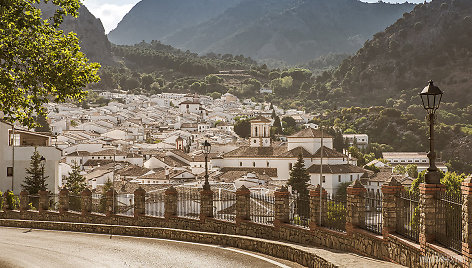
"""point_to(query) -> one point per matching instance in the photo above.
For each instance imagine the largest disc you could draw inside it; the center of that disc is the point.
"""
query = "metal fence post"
(467, 221)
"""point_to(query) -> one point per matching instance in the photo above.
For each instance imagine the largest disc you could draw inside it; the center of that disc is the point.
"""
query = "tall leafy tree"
(35, 180)
(243, 128)
(39, 62)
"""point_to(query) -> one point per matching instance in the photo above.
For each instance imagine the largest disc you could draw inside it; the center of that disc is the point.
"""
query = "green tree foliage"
(412, 170)
(242, 127)
(289, 125)
(103, 200)
(42, 124)
(341, 191)
(39, 63)
(299, 178)
(372, 167)
(399, 169)
(277, 126)
(76, 183)
(35, 181)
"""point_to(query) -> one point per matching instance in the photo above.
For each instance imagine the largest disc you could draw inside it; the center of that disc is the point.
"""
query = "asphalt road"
(41, 248)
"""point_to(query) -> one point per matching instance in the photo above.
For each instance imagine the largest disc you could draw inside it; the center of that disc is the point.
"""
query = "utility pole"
(321, 173)
(13, 156)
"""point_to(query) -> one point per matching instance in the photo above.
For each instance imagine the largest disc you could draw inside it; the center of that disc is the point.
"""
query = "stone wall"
(388, 246)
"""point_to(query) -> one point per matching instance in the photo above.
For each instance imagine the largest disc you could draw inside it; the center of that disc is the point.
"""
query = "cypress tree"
(299, 178)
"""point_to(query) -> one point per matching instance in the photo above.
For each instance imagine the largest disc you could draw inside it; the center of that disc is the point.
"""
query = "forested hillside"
(288, 30)
(434, 41)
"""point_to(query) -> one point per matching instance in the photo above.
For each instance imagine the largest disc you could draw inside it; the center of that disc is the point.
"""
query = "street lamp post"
(206, 151)
(431, 97)
(43, 162)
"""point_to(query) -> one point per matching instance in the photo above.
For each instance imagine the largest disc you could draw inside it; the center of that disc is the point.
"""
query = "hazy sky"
(111, 12)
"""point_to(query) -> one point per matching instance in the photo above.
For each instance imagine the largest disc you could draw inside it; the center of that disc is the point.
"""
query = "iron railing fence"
(373, 212)
(33, 202)
(154, 204)
(299, 213)
(99, 203)
(188, 203)
(124, 204)
(262, 208)
(449, 232)
(75, 202)
(224, 205)
(334, 211)
(408, 215)
(53, 202)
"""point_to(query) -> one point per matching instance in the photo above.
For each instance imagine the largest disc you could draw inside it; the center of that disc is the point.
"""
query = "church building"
(277, 159)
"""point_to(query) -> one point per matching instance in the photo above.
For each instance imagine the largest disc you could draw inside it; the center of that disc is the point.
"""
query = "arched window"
(255, 130)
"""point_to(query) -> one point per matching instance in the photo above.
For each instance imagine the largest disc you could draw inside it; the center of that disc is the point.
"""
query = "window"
(351, 177)
(339, 178)
(14, 139)
(324, 179)
(268, 164)
(255, 132)
(254, 140)
(290, 166)
(93, 157)
(254, 164)
(240, 164)
(9, 171)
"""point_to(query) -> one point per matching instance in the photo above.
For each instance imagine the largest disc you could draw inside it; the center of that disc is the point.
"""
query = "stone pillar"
(24, 201)
(111, 203)
(315, 206)
(206, 204)
(355, 217)
(63, 200)
(139, 202)
(43, 201)
(282, 207)
(170, 203)
(86, 202)
(467, 221)
(243, 204)
(430, 217)
(390, 191)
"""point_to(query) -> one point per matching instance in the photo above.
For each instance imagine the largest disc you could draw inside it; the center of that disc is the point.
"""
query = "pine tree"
(103, 200)
(277, 125)
(75, 182)
(299, 178)
(35, 181)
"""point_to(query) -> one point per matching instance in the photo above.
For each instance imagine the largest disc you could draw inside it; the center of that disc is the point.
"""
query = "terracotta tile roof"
(96, 162)
(336, 169)
(310, 133)
(272, 172)
(79, 153)
(109, 152)
(173, 161)
(260, 119)
(182, 154)
(133, 170)
(295, 152)
(329, 153)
